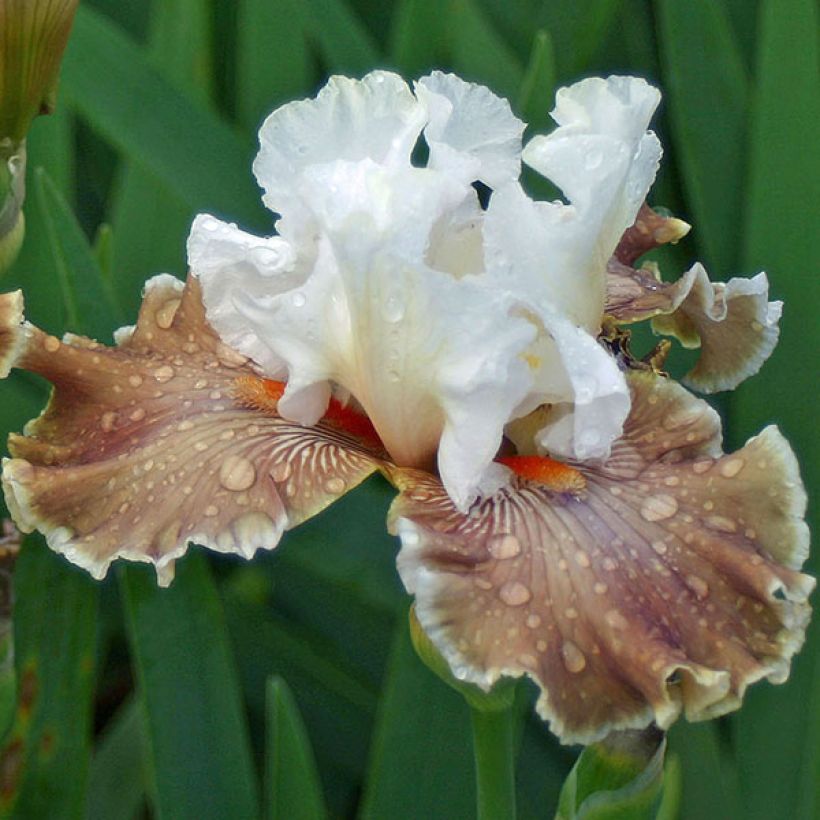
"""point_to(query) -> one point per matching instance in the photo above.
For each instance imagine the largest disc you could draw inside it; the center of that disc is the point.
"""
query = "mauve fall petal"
(160, 442)
(668, 583)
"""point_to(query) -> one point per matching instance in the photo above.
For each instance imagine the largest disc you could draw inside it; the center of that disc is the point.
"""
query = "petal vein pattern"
(149, 446)
(666, 581)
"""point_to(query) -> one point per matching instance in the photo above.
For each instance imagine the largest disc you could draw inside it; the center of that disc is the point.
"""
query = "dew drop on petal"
(697, 585)
(514, 593)
(264, 258)
(659, 507)
(335, 485)
(237, 473)
(51, 344)
(298, 299)
(593, 159)
(211, 511)
(615, 619)
(281, 471)
(164, 316)
(135, 380)
(574, 659)
(164, 374)
(504, 546)
(393, 309)
(107, 421)
(731, 467)
(533, 621)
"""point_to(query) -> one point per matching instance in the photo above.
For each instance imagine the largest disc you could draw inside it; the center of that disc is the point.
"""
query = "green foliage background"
(136, 702)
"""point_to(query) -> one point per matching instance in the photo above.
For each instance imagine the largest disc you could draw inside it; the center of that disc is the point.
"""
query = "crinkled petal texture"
(388, 282)
(669, 582)
(167, 439)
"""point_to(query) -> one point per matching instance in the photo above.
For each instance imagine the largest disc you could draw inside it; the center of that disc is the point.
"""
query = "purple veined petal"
(156, 443)
(668, 583)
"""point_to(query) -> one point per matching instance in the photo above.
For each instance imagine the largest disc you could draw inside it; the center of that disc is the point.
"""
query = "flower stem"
(494, 763)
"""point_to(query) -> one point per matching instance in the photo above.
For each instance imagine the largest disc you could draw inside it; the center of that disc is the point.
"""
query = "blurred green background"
(135, 702)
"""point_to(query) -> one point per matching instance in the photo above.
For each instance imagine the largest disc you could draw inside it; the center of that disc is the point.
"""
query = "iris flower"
(565, 511)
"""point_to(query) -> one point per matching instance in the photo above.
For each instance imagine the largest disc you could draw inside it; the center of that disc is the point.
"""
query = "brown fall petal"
(670, 582)
(149, 446)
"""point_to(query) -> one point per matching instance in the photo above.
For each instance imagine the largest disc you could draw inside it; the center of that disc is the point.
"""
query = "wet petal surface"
(160, 442)
(665, 580)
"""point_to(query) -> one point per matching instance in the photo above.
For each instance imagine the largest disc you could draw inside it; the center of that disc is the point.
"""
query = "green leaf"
(90, 305)
(421, 762)
(707, 93)
(619, 778)
(109, 80)
(273, 64)
(709, 778)
(778, 734)
(199, 758)
(45, 757)
(144, 204)
(340, 36)
(293, 789)
(473, 38)
(116, 787)
(537, 90)
(419, 35)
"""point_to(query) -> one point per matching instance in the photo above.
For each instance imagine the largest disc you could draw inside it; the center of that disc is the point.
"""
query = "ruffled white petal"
(471, 132)
(604, 160)
(375, 118)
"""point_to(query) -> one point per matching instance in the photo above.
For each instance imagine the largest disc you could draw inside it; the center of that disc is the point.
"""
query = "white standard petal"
(471, 132)
(587, 393)
(376, 117)
(604, 160)
(230, 263)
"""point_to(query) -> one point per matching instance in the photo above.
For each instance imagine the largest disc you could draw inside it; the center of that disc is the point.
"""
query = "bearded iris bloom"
(565, 511)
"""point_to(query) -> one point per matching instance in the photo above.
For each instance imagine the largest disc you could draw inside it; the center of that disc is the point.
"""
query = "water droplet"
(135, 380)
(730, 468)
(211, 511)
(187, 424)
(615, 619)
(298, 299)
(720, 523)
(393, 309)
(504, 546)
(533, 621)
(281, 472)
(582, 559)
(514, 593)
(697, 585)
(229, 357)
(571, 613)
(164, 374)
(107, 421)
(659, 547)
(574, 659)
(210, 225)
(264, 257)
(137, 415)
(393, 375)
(200, 446)
(702, 465)
(594, 159)
(51, 344)
(659, 507)
(237, 473)
(164, 317)
(335, 485)
(756, 326)
(600, 588)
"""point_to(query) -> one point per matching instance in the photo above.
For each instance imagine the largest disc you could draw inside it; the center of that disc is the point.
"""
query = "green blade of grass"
(109, 80)
(421, 762)
(340, 37)
(116, 788)
(707, 95)
(418, 35)
(777, 744)
(537, 90)
(45, 756)
(293, 790)
(198, 754)
(273, 64)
